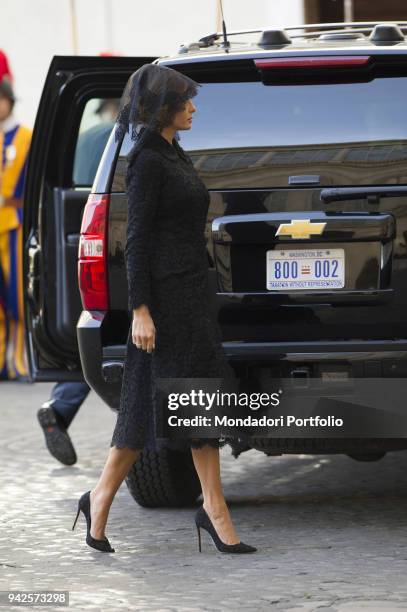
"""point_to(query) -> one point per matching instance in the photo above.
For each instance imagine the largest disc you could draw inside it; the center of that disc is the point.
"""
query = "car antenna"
(226, 43)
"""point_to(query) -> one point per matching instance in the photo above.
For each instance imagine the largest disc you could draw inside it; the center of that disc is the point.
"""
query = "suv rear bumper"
(102, 365)
(89, 334)
(244, 351)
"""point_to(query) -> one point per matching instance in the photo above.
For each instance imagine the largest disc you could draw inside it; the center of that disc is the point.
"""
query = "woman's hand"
(143, 329)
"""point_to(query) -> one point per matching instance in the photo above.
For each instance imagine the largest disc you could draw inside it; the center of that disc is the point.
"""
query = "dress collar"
(154, 139)
(161, 144)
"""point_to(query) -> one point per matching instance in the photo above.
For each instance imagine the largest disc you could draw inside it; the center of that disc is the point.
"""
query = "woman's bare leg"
(117, 466)
(207, 465)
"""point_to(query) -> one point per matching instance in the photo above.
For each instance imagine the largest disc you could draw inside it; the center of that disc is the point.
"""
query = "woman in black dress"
(172, 334)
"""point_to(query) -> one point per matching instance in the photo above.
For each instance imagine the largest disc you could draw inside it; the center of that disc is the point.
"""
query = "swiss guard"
(14, 143)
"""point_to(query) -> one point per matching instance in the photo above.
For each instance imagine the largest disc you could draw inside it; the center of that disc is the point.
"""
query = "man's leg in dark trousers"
(66, 399)
(57, 413)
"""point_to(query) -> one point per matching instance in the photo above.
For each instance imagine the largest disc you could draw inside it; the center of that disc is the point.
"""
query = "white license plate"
(306, 269)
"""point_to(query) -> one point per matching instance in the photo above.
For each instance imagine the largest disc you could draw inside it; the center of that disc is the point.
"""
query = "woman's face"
(183, 119)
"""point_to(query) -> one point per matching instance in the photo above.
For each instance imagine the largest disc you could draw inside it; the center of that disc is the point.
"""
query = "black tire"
(165, 478)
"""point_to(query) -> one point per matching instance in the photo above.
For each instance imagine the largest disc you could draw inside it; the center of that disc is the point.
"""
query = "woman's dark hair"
(153, 95)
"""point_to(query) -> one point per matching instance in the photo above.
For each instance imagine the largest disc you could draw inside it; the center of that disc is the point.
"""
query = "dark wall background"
(323, 11)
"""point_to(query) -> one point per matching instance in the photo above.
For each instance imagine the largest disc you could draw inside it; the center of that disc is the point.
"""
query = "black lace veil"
(151, 97)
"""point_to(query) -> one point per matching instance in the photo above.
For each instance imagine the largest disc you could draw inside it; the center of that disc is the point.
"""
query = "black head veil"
(152, 96)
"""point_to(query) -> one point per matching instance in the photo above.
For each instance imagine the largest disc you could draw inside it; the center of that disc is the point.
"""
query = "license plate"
(306, 269)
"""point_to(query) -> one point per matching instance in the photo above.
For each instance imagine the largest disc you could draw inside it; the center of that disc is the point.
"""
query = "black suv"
(299, 138)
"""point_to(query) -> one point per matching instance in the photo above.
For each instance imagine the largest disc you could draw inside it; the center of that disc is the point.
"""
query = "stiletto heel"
(76, 518)
(84, 505)
(203, 520)
(199, 538)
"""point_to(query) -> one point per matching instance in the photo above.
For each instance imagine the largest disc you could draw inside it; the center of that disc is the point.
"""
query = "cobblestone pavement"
(331, 532)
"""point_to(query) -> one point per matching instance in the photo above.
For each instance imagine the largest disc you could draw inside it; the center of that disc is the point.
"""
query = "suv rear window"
(252, 135)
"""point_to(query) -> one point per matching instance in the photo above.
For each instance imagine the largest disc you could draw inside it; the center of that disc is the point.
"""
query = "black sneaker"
(56, 436)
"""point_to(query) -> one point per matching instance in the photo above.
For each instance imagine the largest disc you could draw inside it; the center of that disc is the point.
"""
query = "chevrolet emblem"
(300, 228)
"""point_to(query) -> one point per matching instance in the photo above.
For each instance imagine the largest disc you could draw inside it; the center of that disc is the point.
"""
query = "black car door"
(78, 95)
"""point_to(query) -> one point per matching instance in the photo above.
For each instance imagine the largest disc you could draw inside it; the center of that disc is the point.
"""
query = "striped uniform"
(14, 144)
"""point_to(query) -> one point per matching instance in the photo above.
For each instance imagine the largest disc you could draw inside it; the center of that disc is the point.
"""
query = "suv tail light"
(312, 61)
(92, 255)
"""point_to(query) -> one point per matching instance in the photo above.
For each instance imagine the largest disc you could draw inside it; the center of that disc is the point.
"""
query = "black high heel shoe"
(202, 520)
(84, 505)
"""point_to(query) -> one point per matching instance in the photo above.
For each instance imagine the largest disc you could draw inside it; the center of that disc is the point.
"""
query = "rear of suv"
(299, 137)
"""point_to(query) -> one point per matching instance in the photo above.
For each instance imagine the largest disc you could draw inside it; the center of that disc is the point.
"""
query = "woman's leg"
(207, 465)
(117, 466)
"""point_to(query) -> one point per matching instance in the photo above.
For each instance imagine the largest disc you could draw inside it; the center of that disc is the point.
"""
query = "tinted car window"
(240, 115)
(95, 128)
(253, 135)
(118, 183)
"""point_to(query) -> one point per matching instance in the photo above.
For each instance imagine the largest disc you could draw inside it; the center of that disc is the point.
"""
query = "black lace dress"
(167, 269)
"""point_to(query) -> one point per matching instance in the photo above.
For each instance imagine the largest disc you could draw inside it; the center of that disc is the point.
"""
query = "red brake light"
(92, 255)
(312, 61)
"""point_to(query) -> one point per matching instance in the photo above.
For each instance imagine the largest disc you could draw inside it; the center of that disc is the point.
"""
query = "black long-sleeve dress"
(167, 269)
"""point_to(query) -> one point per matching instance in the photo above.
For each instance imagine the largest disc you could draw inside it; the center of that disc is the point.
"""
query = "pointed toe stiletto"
(84, 505)
(202, 520)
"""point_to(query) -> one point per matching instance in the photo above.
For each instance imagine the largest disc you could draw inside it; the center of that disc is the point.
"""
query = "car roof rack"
(349, 26)
(309, 30)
